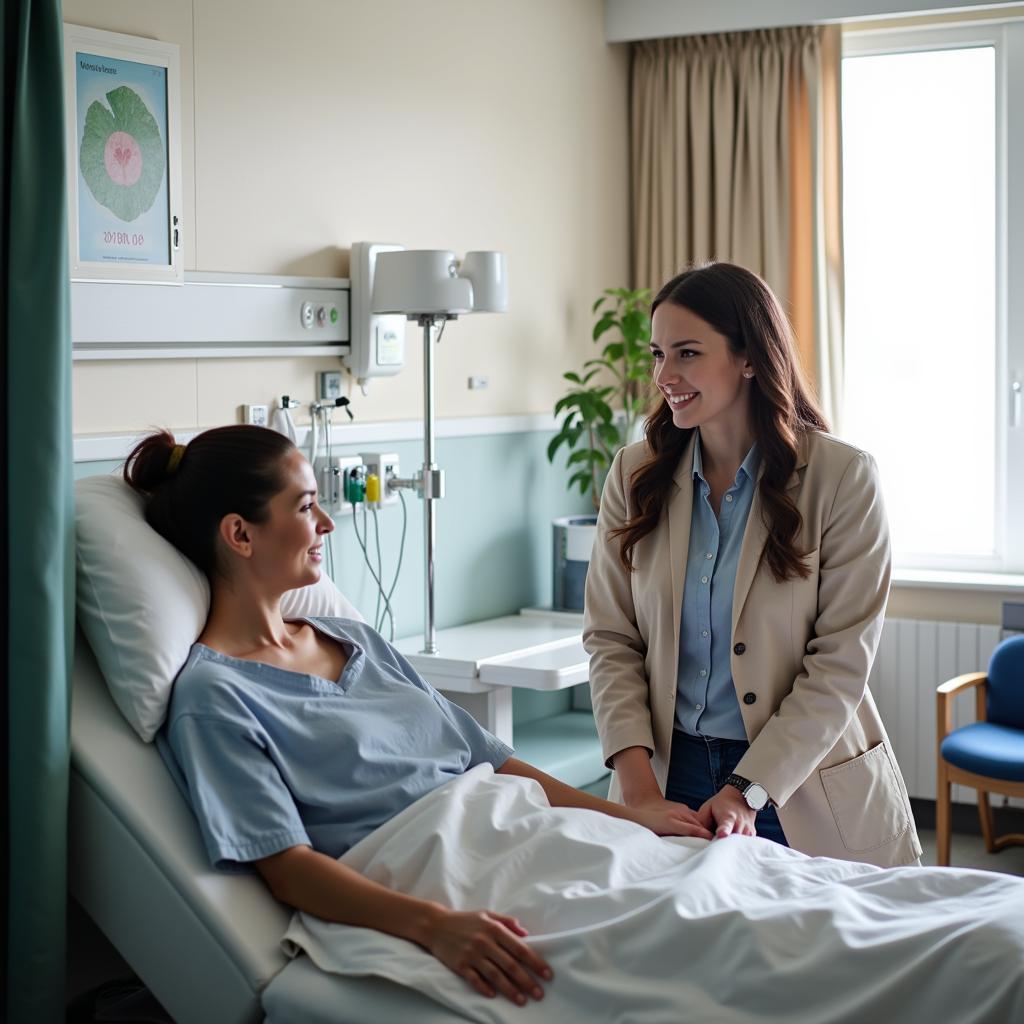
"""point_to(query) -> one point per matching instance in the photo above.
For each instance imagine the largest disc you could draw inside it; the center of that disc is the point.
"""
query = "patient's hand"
(668, 818)
(486, 949)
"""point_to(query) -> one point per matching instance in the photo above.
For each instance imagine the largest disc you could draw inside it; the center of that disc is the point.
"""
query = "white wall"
(451, 124)
(651, 19)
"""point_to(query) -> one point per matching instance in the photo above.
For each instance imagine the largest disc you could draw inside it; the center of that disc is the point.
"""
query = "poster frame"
(116, 46)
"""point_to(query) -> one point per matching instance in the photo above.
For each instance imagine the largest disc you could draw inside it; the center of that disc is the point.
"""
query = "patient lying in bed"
(400, 828)
(295, 740)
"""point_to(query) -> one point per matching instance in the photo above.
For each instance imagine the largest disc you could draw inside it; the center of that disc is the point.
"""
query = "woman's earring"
(748, 376)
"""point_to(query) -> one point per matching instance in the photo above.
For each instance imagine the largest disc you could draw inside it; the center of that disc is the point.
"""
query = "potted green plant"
(601, 412)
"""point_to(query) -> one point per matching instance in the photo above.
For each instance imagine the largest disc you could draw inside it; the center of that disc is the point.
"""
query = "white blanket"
(658, 931)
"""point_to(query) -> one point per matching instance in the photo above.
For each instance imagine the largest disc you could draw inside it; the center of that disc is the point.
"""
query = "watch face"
(756, 796)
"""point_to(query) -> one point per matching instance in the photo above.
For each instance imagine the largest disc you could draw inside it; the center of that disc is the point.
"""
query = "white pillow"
(142, 603)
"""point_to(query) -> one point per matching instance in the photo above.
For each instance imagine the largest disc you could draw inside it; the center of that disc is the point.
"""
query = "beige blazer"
(802, 651)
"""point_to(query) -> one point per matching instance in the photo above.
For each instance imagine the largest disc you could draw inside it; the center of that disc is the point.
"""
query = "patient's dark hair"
(234, 469)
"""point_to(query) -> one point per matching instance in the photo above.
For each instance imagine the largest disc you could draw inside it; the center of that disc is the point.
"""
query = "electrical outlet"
(385, 466)
(257, 415)
(332, 476)
(328, 385)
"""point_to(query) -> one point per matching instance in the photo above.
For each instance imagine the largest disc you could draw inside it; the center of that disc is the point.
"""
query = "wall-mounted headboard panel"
(211, 315)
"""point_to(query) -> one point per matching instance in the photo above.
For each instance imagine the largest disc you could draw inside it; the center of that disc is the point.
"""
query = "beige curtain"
(736, 156)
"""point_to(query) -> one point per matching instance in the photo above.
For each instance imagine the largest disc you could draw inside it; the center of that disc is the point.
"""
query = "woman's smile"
(678, 399)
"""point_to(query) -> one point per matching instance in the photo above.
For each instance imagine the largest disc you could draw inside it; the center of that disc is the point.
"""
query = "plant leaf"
(584, 455)
(556, 442)
(634, 325)
(568, 401)
(583, 479)
(606, 322)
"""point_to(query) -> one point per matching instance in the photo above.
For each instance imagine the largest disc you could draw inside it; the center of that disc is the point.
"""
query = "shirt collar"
(748, 467)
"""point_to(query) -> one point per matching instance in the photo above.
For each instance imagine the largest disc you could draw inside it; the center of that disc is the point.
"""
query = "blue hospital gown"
(270, 759)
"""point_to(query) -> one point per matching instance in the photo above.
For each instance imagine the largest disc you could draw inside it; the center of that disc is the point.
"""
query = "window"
(933, 341)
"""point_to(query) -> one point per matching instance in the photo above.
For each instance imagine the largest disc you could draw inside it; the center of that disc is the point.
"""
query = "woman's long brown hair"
(739, 305)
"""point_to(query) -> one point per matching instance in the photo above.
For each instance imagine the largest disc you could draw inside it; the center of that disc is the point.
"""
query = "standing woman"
(736, 593)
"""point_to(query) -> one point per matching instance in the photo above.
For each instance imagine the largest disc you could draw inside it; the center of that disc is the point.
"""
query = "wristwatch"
(753, 792)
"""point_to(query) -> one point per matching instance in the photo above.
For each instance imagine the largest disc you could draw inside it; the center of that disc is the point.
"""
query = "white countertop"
(537, 649)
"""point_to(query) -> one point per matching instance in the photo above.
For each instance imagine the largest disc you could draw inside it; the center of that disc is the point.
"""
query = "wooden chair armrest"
(951, 686)
(947, 690)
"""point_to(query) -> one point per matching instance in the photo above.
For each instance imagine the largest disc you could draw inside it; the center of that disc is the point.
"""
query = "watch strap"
(744, 786)
(738, 782)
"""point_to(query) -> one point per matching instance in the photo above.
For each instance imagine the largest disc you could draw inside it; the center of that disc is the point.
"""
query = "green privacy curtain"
(37, 538)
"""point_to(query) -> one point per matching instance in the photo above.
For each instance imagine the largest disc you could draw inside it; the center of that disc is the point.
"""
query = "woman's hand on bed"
(668, 818)
(486, 950)
(651, 809)
(730, 813)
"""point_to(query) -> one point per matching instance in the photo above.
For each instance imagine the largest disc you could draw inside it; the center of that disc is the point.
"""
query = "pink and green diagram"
(122, 155)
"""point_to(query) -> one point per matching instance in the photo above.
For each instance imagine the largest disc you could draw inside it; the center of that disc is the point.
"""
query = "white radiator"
(913, 658)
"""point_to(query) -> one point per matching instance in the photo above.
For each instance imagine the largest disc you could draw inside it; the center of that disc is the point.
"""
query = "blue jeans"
(698, 768)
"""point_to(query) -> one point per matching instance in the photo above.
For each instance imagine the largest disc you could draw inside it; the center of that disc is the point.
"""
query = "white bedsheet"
(653, 931)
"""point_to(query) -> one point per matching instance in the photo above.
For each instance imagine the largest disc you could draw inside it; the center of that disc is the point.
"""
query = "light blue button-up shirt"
(706, 703)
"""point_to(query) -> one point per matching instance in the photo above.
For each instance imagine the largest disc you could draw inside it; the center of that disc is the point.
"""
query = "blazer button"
(739, 648)
(750, 698)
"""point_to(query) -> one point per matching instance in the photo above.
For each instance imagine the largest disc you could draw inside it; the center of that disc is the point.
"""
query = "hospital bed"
(209, 944)
(206, 943)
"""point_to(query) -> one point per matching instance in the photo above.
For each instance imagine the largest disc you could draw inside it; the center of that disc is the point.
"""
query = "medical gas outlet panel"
(211, 316)
(347, 481)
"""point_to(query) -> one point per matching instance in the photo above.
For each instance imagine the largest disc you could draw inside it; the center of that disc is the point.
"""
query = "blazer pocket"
(866, 800)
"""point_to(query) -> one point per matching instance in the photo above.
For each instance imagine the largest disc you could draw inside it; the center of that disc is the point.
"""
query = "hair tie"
(172, 463)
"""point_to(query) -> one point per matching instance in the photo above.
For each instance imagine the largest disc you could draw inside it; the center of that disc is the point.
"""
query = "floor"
(968, 851)
(92, 960)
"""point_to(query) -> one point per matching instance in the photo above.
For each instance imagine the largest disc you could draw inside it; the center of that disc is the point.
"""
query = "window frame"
(1006, 37)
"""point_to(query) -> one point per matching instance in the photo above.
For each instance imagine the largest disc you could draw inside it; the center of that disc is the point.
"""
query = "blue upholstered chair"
(988, 754)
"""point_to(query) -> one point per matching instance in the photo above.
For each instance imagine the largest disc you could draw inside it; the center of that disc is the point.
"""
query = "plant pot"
(573, 542)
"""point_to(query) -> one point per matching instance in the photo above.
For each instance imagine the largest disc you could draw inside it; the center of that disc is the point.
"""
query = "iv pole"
(431, 287)
(429, 481)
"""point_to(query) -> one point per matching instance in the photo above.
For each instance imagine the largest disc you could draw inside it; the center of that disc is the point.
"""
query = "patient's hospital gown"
(270, 759)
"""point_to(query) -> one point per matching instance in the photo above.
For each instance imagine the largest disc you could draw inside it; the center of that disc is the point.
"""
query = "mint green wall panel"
(493, 530)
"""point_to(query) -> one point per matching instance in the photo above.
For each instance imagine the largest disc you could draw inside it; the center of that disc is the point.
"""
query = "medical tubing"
(378, 622)
(398, 567)
(362, 546)
(388, 612)
(328, 412)
(329, 549)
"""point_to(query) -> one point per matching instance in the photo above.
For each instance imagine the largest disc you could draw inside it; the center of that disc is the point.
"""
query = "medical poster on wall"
(124, 166)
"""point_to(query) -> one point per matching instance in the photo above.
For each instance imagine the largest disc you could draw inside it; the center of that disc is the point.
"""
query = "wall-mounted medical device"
(237, 315)
(210, 316)
(377, 340)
